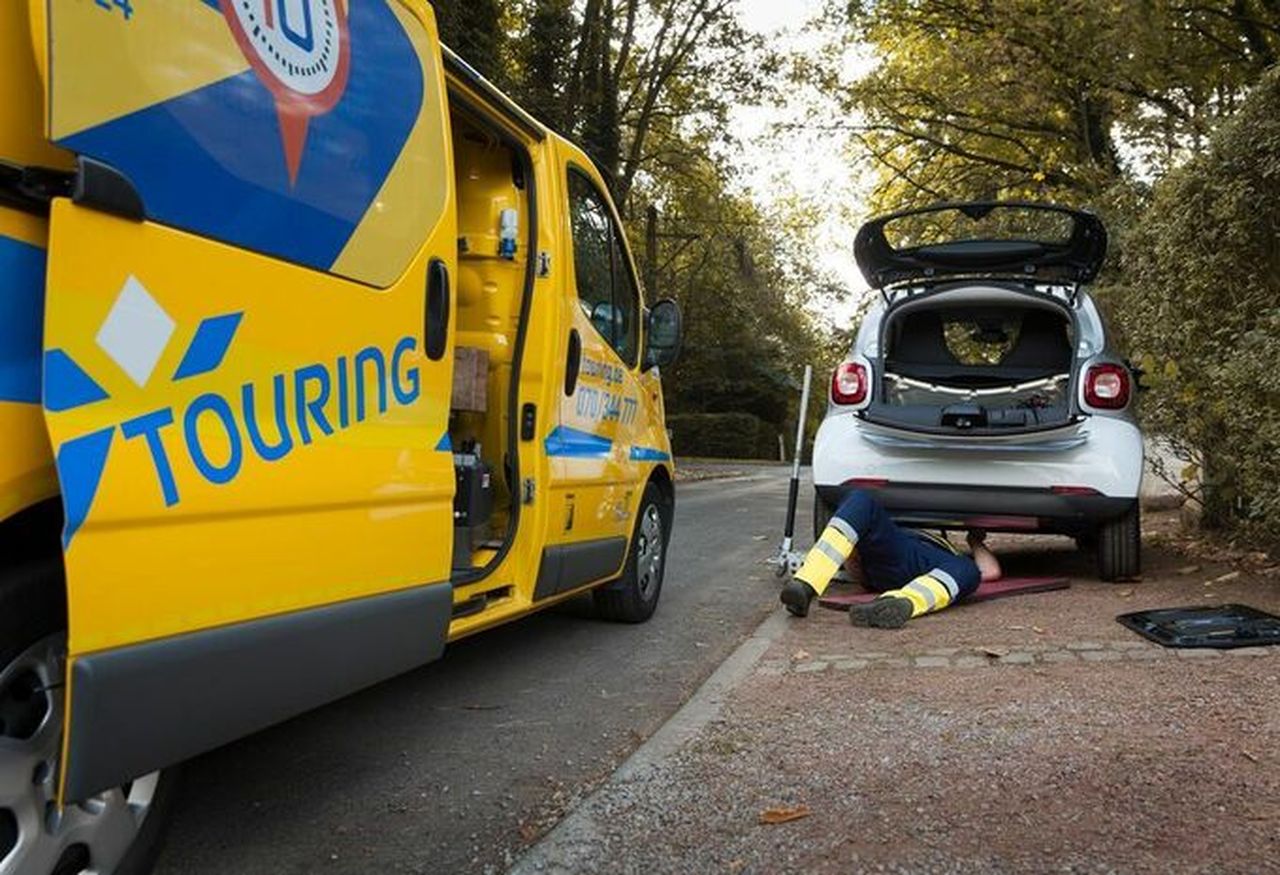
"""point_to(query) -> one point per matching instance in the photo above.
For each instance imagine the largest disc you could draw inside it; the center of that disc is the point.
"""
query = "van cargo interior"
(493, 263)
(977, 367)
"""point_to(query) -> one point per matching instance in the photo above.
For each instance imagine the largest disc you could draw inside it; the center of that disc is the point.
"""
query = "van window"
(626, 334)
(606, 288)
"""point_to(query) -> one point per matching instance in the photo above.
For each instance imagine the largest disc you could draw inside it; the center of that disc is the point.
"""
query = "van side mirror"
(664, 333)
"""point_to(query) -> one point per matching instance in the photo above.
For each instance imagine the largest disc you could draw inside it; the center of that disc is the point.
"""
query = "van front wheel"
(633, 597)
(116, 831)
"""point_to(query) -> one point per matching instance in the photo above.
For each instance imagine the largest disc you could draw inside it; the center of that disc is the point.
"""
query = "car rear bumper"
(995, 508)
(1102, 455)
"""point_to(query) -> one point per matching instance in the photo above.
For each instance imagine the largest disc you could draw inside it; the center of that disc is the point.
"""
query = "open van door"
(247, 363)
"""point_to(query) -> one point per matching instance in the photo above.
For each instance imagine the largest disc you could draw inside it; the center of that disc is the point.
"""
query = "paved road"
(454, 767)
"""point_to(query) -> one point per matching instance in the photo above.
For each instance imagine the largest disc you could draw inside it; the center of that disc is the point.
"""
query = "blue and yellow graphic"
(261, 123)
(303, 404)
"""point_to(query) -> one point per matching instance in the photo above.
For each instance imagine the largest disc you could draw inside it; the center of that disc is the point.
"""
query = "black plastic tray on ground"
(1224, 627)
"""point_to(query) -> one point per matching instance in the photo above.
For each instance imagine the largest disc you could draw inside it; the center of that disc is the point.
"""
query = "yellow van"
(316, 353)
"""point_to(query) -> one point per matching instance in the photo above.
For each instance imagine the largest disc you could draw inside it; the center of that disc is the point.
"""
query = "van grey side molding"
(146, 706)
(568, 566)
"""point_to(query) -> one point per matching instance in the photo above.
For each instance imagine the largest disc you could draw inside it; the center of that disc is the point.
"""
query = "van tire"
(633, 597)
(1120, 546)
(33, 608)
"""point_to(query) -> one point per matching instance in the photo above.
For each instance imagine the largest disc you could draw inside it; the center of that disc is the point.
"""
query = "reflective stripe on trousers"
(833, 549)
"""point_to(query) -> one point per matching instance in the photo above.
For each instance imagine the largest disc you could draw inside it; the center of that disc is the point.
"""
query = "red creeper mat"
(997, 589)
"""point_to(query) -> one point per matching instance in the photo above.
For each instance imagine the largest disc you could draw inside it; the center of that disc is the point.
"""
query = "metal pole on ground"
(788, 536)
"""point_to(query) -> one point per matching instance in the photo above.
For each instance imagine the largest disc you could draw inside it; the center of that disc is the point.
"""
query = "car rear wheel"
(633, 597)
(1120, 546)
(117, 831)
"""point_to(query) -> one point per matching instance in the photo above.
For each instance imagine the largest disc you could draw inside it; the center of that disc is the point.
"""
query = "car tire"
(822, 513)
(633, 597)
(32, 645)
(1120, 546)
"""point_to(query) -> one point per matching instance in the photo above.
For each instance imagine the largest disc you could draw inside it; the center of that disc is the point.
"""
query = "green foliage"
(545, 49)
(1198, 298)
(1021, 98)
(645, 88)
(473, 29)
(723, 436)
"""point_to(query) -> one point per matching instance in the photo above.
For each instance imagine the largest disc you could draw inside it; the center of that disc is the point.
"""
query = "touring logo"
(270, 418)
(300, 50)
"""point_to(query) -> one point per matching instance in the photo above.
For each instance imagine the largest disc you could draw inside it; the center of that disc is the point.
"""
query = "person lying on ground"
(915, 572)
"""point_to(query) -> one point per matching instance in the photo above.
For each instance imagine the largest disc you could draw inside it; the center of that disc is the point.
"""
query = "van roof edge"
(459, 68)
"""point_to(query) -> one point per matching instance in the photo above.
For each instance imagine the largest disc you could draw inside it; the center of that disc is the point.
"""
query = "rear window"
(986, 342)
(983, 338)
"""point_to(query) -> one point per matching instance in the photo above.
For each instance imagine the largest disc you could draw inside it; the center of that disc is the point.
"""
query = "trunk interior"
(976, 367)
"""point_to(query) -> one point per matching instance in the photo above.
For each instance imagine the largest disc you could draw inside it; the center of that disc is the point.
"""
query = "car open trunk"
(971, 363)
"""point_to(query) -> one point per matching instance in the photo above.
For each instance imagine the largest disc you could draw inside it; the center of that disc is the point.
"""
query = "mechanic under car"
(915, 573)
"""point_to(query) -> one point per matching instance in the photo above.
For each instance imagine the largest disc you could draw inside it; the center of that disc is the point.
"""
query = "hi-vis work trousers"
(895, 562)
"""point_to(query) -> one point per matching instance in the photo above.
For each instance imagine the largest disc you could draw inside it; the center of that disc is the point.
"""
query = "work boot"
(883, 613)
(796, 595)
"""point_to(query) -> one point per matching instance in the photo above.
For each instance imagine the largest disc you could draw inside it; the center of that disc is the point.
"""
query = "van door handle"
(435, 338)
(574, 364)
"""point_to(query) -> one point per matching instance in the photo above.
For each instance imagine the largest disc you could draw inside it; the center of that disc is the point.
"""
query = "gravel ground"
(1032, 734)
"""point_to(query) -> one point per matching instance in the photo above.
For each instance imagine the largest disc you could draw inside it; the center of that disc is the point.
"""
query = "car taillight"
(849, 383)
(867, 483)
(1074, 490)
(1107, 387)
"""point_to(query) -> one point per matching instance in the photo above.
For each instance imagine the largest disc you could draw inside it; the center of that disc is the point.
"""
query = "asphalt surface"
(458, 766)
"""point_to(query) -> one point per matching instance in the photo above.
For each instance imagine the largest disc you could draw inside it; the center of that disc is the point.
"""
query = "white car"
(982, 390)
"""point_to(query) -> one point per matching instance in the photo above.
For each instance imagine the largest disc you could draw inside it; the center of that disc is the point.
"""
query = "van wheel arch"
(633, 597)
(33, 609)
(662, 480)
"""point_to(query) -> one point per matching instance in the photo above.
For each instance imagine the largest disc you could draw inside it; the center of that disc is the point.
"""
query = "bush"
(1199, 304)
(723, 436)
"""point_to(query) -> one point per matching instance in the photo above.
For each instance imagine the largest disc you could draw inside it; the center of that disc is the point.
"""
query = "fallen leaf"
(1126, 593)
(995, 652)
(1037, 630)
(800, 655)
(1188, 569)
(1230, 575)
(528, 832)
(784, 815)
